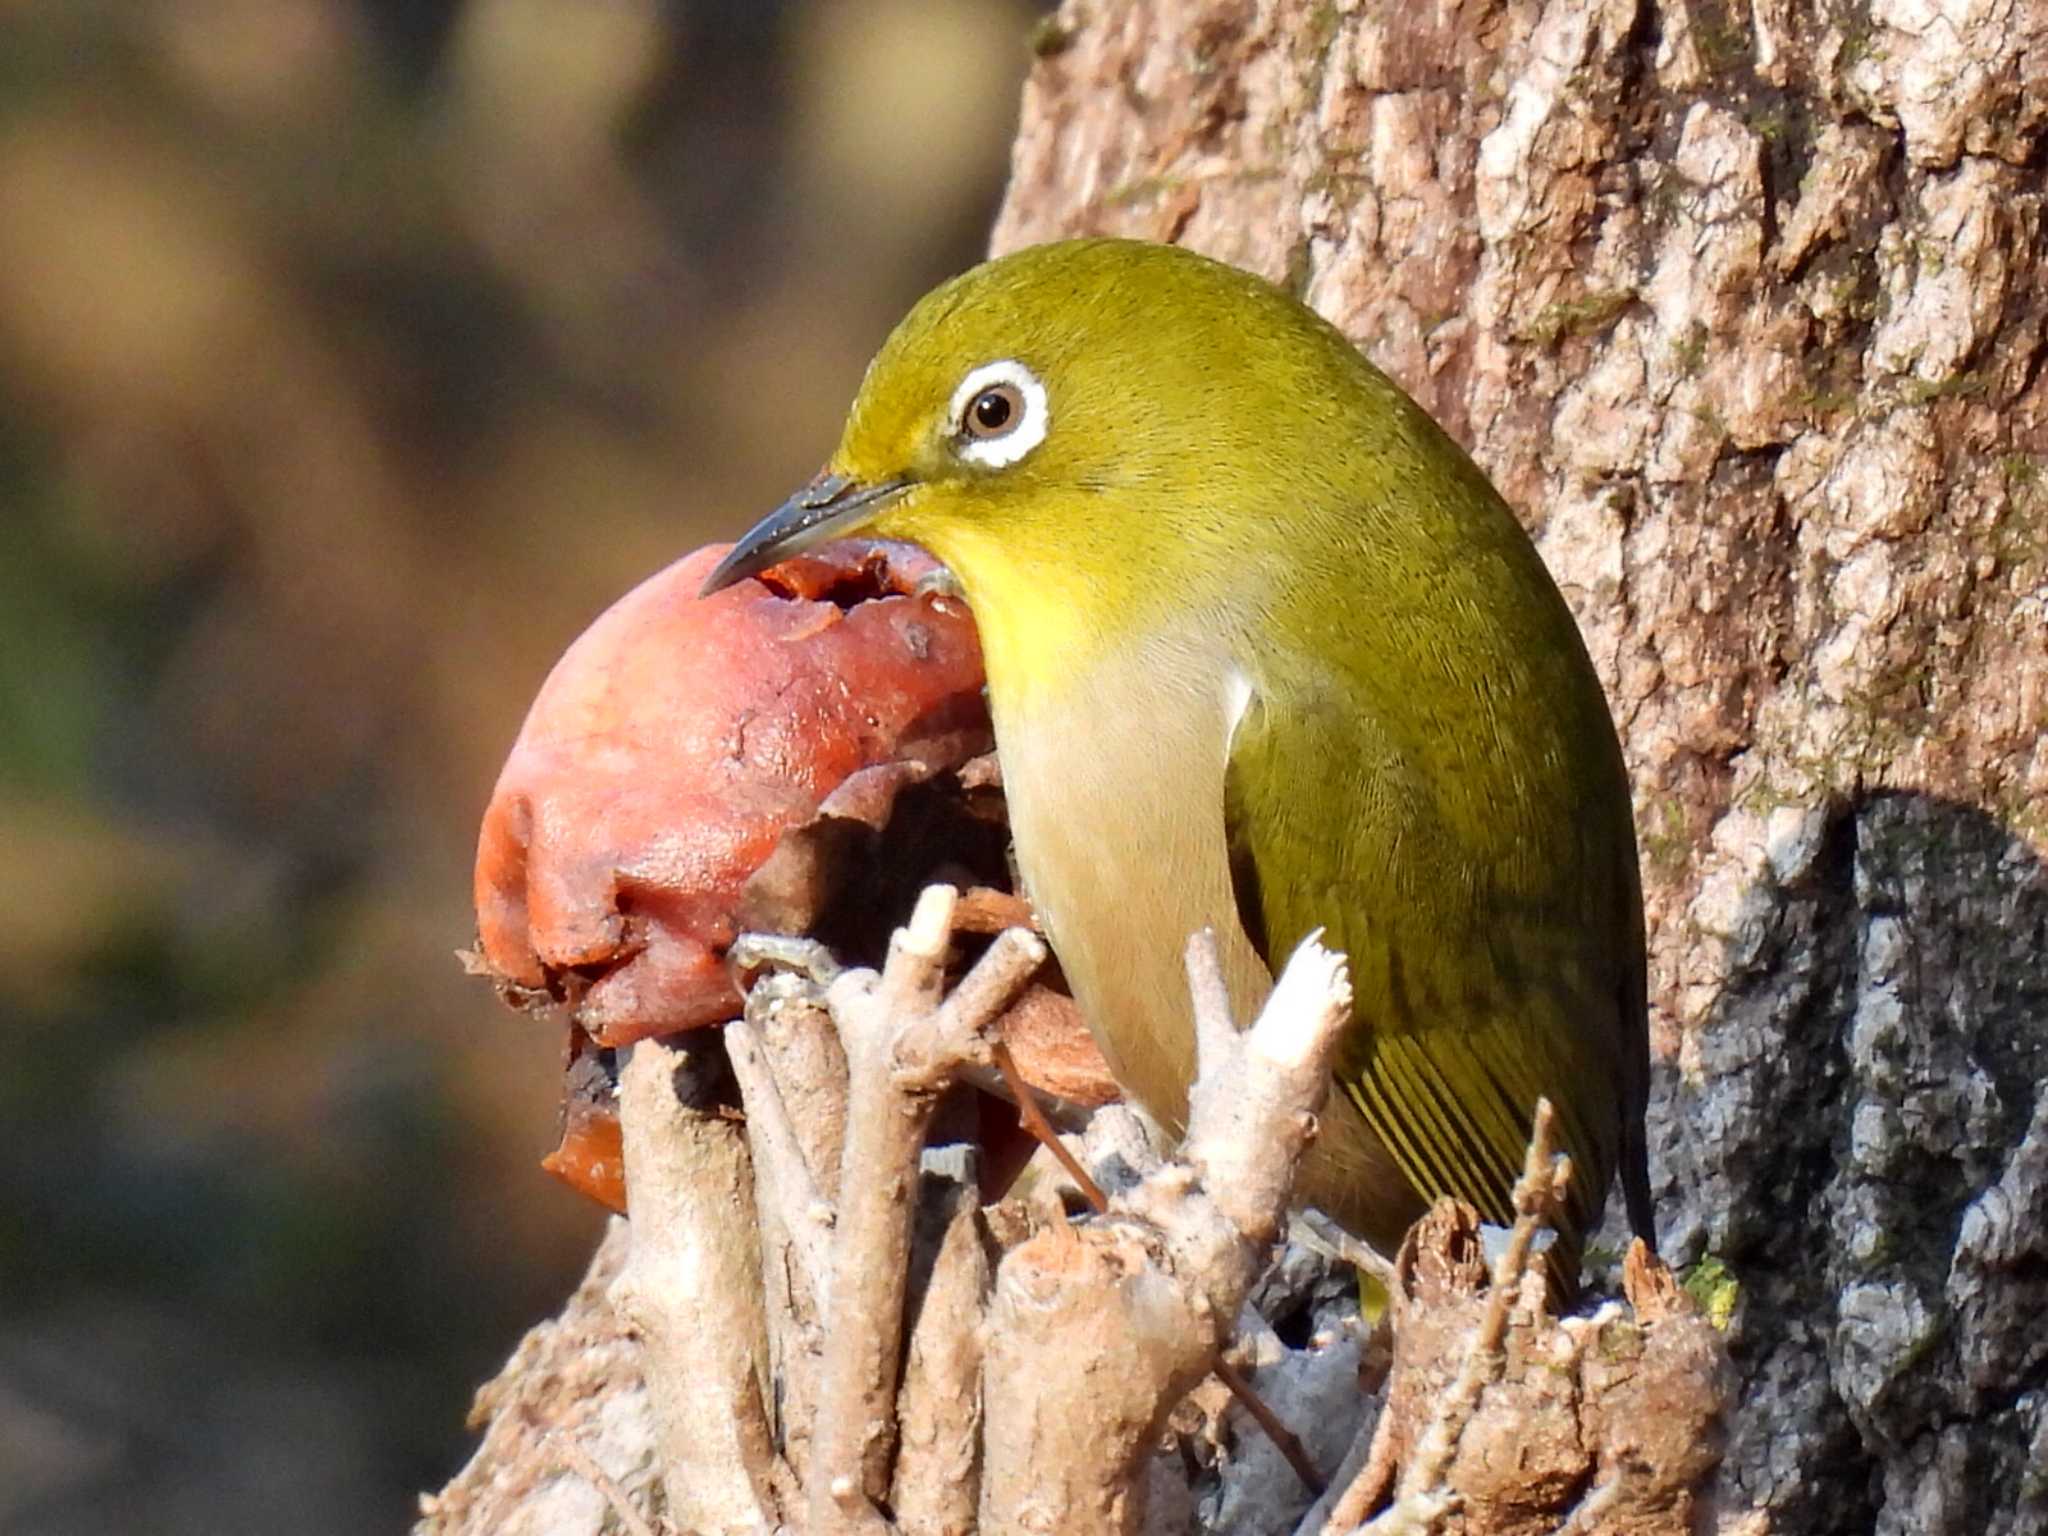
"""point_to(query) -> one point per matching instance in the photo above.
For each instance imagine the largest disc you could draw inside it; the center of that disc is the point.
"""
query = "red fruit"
(779, 757)
(675, 743)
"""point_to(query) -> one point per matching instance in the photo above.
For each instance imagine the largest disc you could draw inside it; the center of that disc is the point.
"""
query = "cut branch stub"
(1505, 1421)
(1097, 1332)
(903, 1046)
(692, 1287)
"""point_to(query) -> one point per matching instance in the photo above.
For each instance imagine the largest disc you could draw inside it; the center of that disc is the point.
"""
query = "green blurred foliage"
(353, 355)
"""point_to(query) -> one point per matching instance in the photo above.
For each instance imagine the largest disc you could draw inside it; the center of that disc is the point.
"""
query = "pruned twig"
(784, 1174)
(938, 1411)
(1096, 1332)
(792, 1074)
(1240, 1171)
(1253, 1105)
(1537, 1195)
(1423, 1497)
(903, 1046)
(692, 1287)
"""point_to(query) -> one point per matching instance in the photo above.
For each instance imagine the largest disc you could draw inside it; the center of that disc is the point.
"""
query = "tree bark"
(1742, 307)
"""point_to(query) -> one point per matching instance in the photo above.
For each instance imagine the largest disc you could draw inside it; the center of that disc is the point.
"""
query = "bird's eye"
(999, 414)
(993, 412)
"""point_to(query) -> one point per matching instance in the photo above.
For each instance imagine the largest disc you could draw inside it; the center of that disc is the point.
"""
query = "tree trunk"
(1742, 307)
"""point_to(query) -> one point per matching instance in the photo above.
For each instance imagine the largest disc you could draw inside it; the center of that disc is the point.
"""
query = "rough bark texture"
(1605, 1423)
(574, 1385)
(1742, 306)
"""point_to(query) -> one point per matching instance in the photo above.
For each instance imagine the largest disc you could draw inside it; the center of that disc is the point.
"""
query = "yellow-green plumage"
(1266, 652)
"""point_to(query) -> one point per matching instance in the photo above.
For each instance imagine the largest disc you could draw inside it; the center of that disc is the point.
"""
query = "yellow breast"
(1115, 782)
(1114, 774)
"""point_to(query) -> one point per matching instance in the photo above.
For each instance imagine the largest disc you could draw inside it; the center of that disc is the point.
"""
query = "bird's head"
(1086, 429)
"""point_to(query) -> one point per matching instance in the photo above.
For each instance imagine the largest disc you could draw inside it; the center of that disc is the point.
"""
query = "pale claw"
(784, 952)
(939, 582)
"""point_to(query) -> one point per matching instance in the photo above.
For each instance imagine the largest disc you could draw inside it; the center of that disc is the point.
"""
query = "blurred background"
(354, 354)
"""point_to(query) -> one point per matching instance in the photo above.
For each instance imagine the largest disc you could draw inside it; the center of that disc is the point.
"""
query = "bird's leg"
(1285, 1440)
(1318, 1232)
(1036, 1123)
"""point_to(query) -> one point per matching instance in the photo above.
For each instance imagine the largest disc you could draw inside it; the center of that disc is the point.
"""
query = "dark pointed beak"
(828, 505)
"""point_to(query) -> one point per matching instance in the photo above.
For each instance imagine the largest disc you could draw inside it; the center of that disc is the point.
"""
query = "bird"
(1268, 654)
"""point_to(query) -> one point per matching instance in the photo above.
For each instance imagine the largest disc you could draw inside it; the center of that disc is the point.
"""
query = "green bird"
(1267, 653)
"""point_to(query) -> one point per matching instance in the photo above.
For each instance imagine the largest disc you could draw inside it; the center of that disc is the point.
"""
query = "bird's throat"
(1043, 623)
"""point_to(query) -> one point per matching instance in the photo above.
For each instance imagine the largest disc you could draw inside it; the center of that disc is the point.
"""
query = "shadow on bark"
(1861, 1138)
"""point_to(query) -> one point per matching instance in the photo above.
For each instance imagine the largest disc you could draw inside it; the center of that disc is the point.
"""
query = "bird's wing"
(1471, 997)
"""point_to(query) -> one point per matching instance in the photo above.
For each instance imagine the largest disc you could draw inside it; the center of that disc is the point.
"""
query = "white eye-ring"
(999, 413)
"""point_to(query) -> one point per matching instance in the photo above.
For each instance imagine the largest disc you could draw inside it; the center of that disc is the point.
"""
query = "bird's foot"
(752, 952)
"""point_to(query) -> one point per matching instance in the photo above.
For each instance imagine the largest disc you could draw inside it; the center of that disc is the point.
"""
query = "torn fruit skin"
(673, 745)
(591, 1156)
(779, 755)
